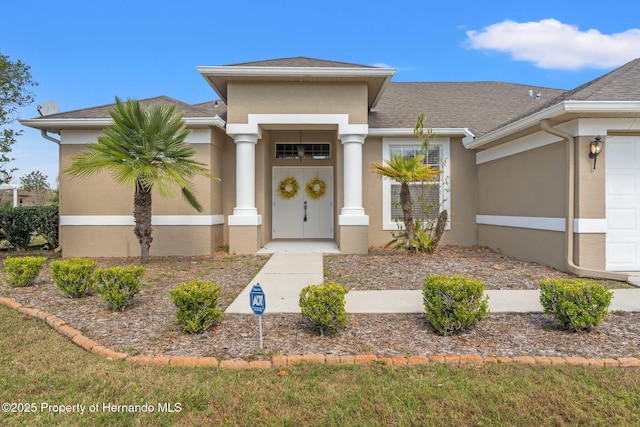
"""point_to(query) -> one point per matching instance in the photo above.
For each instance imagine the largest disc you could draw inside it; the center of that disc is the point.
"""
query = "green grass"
(39, 366)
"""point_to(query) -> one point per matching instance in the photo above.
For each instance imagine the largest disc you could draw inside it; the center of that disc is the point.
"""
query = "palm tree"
(405, 170)
(145, 148)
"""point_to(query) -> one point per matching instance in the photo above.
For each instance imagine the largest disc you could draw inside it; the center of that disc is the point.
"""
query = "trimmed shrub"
(22, 271)
(197, 302)
(118, 285)
(454, 303)
(576, 304)
(324, 306)
(17, 227)
(73, 276)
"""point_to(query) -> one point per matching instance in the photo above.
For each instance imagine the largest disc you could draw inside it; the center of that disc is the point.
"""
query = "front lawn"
(39, 367)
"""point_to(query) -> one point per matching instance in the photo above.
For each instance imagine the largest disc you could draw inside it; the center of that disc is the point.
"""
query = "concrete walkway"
(285, 274)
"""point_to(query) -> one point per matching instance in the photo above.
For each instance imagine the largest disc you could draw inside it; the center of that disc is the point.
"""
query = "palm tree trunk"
(407, 213)
(142, 217)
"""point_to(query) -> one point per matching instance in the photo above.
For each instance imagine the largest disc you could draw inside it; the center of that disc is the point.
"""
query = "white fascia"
(240, 71)
(48, 124)
(403, 132)
(553, 111)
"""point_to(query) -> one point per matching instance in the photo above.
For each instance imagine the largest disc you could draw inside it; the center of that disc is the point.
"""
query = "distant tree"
(36, 183)
(146, 149)
(15, 79)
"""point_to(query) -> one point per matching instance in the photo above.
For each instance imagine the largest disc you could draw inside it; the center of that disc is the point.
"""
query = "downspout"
(579, 271)
(47, 137)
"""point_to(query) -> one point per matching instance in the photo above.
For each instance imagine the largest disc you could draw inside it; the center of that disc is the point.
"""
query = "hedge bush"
(73, 276)
(22, 271)
(454, 303)
(118, 285)
(19, 225)
(197, 302)
(576, 304)
(324, 306)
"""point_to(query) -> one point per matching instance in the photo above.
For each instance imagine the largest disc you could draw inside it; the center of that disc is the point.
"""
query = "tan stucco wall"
(542, 246)
(590, 183)
(100, 195)
(244, 239)
(120, 241)
(530, 184)
(245, 98)
(589, 250)
(353, 239)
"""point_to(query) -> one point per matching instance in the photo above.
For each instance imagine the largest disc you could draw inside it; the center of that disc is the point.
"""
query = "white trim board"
(536, 223)
(127, 220)
(580, 225)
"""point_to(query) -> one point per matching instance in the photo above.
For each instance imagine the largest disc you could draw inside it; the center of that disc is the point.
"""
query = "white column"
(245, 212)
(352, 212)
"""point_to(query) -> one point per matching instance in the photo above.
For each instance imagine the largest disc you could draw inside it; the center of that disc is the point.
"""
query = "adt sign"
(257, 300)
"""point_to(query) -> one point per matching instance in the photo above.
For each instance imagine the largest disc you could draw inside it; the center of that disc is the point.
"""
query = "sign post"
(258, 304)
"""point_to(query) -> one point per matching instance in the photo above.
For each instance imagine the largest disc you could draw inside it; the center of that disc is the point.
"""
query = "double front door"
(302, 202)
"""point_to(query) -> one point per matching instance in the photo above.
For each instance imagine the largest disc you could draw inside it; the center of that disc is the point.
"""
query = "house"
(517, 174)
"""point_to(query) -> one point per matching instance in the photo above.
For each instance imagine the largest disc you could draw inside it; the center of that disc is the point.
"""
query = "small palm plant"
(146, 149)
(406, 170)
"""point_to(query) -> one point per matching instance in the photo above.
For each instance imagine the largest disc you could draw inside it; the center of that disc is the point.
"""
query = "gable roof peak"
(300, 62)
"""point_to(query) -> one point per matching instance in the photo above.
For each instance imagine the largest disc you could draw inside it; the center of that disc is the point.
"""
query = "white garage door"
(623, 203)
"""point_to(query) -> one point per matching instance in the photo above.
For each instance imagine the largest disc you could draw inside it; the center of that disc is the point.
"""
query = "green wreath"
(315, 188)
(288, 188)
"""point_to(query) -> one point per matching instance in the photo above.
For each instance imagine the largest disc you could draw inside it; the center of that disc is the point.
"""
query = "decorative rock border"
(281, 361)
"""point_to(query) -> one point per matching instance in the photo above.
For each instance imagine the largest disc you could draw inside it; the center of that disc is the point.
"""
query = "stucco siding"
(120, 241)
(529, 184)
(296, 98)
(100, 199)
(529, 187)
(541, 246)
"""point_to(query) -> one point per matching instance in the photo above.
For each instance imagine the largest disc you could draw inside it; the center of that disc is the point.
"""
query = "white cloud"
(553, 45)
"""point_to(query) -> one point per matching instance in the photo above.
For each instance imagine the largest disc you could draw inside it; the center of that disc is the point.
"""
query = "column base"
(244, 239)
(354, 239)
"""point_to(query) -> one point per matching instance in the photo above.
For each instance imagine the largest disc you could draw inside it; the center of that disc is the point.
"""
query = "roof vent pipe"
(582, 272)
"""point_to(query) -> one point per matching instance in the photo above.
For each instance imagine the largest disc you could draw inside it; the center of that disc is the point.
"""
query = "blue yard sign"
(257, 300)
(258, 304)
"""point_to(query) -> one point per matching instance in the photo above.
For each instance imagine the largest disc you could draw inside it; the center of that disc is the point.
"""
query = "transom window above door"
(313, 151)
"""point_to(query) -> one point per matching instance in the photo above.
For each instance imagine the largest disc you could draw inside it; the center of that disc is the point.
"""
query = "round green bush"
(118, 285)
(22, 271)
(197, 302)
(576, 304)
(73, 276)
(324, 306)
(454, 303)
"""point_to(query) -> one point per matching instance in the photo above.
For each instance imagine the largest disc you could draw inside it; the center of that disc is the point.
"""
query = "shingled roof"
(102, 111)
(299, 61)
(479, 106)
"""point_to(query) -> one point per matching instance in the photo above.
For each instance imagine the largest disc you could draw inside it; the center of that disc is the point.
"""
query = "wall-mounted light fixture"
(595, 147)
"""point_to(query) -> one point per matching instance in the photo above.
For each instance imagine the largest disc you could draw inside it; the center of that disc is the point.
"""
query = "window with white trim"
(432, 196)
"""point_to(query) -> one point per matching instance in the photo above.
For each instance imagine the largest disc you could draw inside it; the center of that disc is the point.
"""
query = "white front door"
(302, 214)
(623, 203)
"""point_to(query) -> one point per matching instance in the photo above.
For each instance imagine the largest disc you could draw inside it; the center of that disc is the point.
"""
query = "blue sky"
(84, 53)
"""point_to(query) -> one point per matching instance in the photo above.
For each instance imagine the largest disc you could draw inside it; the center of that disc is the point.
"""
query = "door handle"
(305, 211)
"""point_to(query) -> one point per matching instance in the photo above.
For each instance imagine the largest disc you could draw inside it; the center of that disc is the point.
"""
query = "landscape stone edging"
(281, 361)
